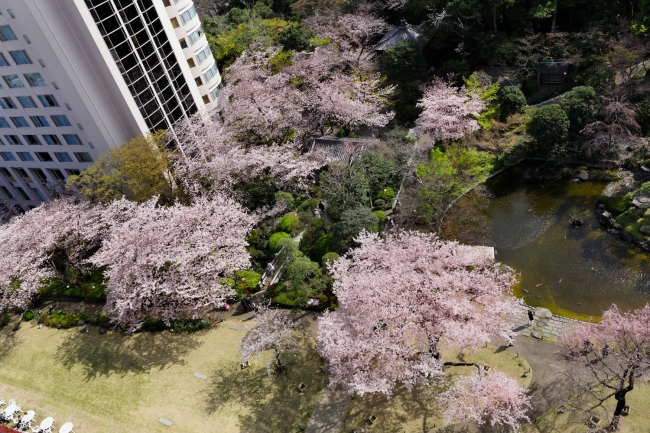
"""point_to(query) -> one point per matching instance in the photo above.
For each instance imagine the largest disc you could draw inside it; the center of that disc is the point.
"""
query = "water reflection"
(579, 270)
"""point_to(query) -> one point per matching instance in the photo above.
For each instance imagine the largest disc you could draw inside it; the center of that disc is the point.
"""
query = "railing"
(341, 149)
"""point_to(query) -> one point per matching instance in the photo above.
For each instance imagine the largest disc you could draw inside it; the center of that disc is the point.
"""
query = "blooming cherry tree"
(487, 397)
(448, 112)
(617, 351)
(273, 330)
(170, 262)
(400, 298)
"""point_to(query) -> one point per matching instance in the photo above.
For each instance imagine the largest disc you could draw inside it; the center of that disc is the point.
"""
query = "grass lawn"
(116, 383)
(638, 421)
(417, 411)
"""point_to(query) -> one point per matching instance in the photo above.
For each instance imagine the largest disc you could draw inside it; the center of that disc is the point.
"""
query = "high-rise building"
(78, 77)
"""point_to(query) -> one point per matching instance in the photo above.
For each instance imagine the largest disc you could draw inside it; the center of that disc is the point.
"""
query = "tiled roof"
(398, 34)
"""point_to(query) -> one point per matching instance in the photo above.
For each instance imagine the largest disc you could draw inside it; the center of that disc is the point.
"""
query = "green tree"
(138, 169)
(344, 187)
(305, 275)
(549, 127)
(294, 38)
(405, 66)
(481, 83)
(380, 170)
(352, 222)
(512, 101)
(578, 105)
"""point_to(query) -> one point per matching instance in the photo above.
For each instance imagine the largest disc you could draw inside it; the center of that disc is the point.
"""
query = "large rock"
(543, 313)
(642, 202)
(536, 334)
(583, 176)
(645, 230)
(606, 220)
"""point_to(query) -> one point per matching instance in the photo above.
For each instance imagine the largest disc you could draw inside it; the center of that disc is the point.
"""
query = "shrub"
(577, 104)
(329, 258)
(28, 315)
(381, 217)
(251, 279)
(289, 224)
(550, 128)
(353, 221)
(153, 325)
(60, 319)
(512, 101)
(386, 194)
(286, 198)
(321, 247)
(275, 239)
(308, 205)
(189, 325)
(344, 187)
(294, 38)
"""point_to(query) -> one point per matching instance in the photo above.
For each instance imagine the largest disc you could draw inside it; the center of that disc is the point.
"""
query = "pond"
(576, 272)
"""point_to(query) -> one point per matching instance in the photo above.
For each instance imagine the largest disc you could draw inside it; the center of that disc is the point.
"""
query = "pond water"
(576, 272)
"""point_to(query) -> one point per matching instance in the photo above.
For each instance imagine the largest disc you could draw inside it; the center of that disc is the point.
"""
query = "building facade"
(78, 77)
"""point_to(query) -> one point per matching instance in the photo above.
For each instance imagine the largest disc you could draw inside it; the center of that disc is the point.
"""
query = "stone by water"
(577, 272)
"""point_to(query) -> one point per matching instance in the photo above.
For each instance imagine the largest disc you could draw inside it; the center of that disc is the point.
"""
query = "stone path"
(330, 411)
(545, 326)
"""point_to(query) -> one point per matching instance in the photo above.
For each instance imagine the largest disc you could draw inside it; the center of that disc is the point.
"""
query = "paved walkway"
(545, 325)
(330, 411)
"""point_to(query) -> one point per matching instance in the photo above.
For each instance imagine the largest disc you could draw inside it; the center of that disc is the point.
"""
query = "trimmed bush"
(60, 319)
(308, 205)
(550, 128)
(389, 195)
(250, 277)
(329, 258)
(321, 247)
(289, 224)
(577, 104)
(28, 315)
(275, 239)
(381, 216)
(512, 101)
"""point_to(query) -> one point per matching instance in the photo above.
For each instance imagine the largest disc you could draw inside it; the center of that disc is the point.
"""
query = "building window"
(83, 157)
(211, 73)
(7, 156)
(203, 55)
(24, 175)
(11, 14)
(20, 57)
(72, 172)
(22, 193)
(44, 157)
(26, 102)
(27, 39)
(57, 174)
(35, 79)
(198, 81)
(91, 145)
(6, 34)
(13, 140)
(187, 16)
(63, 156)
(41, 62)
(175, 23)
(55, 85)
(25, 156)
(13, 81)
(20, 122)
(39, 121)
(31, 139)
(48, 101)
(68, 106)
(215, 93)
(166, 3)
(195, 35)
(52, 140)
(7, 103)
(72, 139)
(183, 43)
(81, 128)
(39, 194)
(206, 99)
(61, 120)
(3, 60)
(4, 123)
(191, 63)
(6, 192)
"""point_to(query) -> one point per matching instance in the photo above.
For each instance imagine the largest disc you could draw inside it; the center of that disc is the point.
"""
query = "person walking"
(531, 316)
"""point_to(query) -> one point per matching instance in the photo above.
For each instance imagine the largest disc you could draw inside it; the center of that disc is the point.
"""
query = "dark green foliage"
(601, 78)
(237, 16)
(60, 319)
(256, 194)
(91, 286)
(578, 105)
(153, 325)
(289, 224)
(28, 315)
(189, 325)
(381, 172)
(644, 116)
(353, 221)
(305, 275)
(512, 101)
(322, 246)
(404, 62)
(406, 97)
(344, 187)
(288, 298)
(309, 205)
(329, 259)
(550, 128)
(274, 240)
(294, 38)
(381, 217)
(5, 318)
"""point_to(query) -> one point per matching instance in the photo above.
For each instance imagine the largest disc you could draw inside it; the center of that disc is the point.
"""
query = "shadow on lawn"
(270, 403)
(8, 340)
(114, 353)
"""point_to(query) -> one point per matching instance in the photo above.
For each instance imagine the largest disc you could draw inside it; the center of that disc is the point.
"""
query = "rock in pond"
(583, 176)
(645, 230)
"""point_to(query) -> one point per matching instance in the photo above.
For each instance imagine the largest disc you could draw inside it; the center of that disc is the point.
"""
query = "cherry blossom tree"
(171, 262)
(487, 397)
(43, 243)
(448, 112)
(616, 128)
(400, 299)
(274, 330)
(617, 354)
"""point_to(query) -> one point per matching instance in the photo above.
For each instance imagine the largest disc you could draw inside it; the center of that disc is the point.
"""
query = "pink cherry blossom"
(400, 298)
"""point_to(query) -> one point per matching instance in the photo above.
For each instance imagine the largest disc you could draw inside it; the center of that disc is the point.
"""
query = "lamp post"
(384, 197)
(243, 281)
(313, 186)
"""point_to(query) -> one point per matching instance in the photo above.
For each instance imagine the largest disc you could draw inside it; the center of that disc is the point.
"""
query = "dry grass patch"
(116, 383)
(418, 411)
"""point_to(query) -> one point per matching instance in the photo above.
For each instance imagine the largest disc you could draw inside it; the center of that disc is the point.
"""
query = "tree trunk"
(620, 399)
(554, 18)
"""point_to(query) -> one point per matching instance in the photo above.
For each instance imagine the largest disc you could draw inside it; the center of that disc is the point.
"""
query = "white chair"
(12, 401)
(66, 428)
(1, 401)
